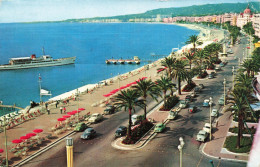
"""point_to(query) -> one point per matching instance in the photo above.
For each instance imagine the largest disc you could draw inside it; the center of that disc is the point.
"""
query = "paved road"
(161, 151)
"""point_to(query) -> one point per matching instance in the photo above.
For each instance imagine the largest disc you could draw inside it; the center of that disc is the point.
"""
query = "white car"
(214, 112)
(183, 104)
(206, 127)
(136, 119)
(172, 115)
(95, 118)
(202, 136)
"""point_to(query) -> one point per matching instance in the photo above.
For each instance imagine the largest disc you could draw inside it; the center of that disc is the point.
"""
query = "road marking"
(200, 160)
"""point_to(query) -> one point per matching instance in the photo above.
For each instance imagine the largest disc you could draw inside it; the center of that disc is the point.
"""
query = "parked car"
(221, 100)
(197, 89)
(88, 133)
(218, 68)
(159, 127)
(193, 94)
(95, 118)
(230, 51)
(192, 109)
(207, 127)
(183, 104)
(213, 73)
(201, 86)
(121, 131)
(110, 109)
(188, 98)
(210, 76)
(80, 127)
(221, 64)
(206, 103)
(214, 112)
(136, 119)
(172, 115)
(202, 136)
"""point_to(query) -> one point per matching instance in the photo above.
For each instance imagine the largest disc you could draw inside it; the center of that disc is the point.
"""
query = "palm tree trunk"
(164, 98)
(179, 85)
(145, 109)
(239, 134)
(130, 123)
(190, 65)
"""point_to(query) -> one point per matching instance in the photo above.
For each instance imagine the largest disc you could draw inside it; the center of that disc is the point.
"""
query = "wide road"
(162, 150)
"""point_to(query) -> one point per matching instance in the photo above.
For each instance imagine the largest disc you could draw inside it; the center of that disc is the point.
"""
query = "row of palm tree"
(243, 91)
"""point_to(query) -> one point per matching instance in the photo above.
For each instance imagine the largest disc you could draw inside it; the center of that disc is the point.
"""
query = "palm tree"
(200, 57)
(248, 66)
(168, 64)
(190, 56)
(179, 72)
(189, 75)
(194, 39)
(147, 88)
(244, 81)
(165, 84)
(128, 100)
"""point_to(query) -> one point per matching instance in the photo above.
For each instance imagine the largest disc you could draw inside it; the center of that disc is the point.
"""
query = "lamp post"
(239, 61)
(210, 110)
(224, 91)
(69, 147)
(180, 149)
(6, 152)
(233, 73)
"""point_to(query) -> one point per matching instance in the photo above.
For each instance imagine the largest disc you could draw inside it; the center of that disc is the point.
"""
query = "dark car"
(197, 89)
(80, 127)
(192, 109)
(110, 109)
(88, 133)
(188, 98)
(121, 131)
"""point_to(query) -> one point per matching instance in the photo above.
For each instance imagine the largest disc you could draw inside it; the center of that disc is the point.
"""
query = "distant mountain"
(195, 10)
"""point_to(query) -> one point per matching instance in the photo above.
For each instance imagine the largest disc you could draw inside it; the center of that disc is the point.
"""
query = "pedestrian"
(61, 110)
(46, 105)
(217, 123)
(68, 101)
(48, 110)
(64, 109)
(56, 104)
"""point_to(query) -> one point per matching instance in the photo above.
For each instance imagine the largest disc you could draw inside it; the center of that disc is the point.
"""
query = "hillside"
(195, 10)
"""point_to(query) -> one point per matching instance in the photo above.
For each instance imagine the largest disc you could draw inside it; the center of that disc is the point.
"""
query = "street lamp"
(6, 152)
(180, 149)
(69, 146)
(224, 91)
(239, 61)
(210, 110)
(233, 73)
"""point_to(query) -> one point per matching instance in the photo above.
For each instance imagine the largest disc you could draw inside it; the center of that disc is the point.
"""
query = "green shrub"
(171, 102)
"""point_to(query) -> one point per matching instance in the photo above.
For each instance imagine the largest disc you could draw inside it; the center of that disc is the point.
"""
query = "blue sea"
(91, 43)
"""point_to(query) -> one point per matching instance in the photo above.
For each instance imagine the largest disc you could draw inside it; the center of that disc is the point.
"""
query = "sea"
(91, 43)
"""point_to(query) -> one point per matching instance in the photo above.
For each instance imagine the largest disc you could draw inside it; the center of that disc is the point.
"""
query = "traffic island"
(245, 144)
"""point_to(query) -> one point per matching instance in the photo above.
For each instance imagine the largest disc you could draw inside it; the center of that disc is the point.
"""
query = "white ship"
(33, 62)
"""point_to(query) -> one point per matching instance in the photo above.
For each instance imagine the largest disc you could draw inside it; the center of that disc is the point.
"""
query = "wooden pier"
(10, 107)
(136, 60)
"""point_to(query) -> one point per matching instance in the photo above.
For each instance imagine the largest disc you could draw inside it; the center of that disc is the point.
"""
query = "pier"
(10, 107)
(136, 60)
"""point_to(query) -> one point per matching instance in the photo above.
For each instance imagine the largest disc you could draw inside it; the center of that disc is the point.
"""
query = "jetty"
(136, 60)
(10, 107)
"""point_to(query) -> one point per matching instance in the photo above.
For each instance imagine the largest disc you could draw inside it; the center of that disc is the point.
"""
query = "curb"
(22, 162)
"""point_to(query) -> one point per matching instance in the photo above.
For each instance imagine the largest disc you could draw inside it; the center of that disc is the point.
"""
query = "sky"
(54, 10)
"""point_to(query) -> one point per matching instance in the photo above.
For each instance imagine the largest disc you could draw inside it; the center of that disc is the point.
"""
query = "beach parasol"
(81, 109)
(66, 116)
(17, 141)
(1, 150)
(37, 130)
(25, 137)
(30, 134)
(61, 119)
(71, 113)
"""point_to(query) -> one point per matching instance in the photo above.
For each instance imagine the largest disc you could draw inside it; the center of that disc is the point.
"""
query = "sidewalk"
(214, 148)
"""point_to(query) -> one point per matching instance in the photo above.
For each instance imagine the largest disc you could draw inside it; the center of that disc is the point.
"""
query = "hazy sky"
(50, 10)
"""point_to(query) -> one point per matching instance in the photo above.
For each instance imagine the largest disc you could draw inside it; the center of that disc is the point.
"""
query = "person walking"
(56, 104)
(64, 109)
(61, 110)
(48, 110)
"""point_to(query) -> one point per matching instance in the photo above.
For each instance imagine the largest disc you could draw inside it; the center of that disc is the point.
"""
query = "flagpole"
(40, 87)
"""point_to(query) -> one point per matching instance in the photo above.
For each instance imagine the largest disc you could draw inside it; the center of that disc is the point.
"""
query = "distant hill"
(195, 10)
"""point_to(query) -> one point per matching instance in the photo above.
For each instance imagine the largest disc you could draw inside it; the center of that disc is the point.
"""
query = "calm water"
(90, 43)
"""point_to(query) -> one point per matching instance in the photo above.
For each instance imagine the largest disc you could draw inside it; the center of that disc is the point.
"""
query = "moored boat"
(34, 62)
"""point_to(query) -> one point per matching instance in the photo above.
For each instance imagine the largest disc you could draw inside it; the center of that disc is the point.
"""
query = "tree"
(165, 84)
(189, 75)
(179, 72)
(168, 63)
(248, 66)
(128, 100)
(213, 49)
(249, 29)
(194, 39)
(201, 56)
(190, 56)
(147, 88)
